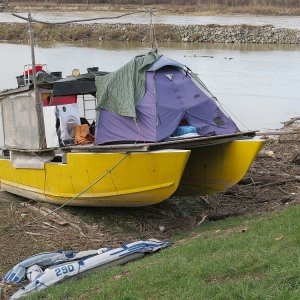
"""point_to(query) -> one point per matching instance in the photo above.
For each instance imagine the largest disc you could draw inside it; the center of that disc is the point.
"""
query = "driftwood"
(277, 133)
(205, 199)
(50, 225)
(288, 198)
(202, 220)
(63, 222)
(33, 233)
(279, 182)
(55, 218)
(271, 173)
(58, 219)
(268, 179)
(291, 121)
(296, 159)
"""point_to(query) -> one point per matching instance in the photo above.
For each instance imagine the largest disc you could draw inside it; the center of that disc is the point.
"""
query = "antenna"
(152, 30)
(37, 98)
(38, 102)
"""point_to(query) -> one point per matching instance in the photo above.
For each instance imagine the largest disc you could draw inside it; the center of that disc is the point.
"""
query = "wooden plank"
(192, 144)
(181, 143)
(32, 151)
(201, 141)
(277, 133)
(107, 148)
(18, 90)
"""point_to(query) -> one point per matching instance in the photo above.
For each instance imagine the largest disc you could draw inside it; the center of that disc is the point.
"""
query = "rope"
(78, 20)
(221, 105)
(153, 38)
(225, 109)
(76, 58)
(41, 6)
(34, 221)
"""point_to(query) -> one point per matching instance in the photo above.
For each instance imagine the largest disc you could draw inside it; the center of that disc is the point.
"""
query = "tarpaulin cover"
(121, 91)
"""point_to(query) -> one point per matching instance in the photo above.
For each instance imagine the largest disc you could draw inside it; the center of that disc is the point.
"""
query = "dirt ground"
(272, 183)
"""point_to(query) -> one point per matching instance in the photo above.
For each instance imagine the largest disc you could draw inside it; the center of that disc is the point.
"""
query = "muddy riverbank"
(163, 33)
(272, 183)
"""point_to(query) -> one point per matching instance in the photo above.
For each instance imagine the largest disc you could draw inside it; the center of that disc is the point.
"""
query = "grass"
(241, 258)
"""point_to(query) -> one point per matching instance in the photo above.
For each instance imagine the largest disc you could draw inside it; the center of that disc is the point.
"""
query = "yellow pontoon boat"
(108, 179)
(216, 168)
(130, 163)
(216, 163)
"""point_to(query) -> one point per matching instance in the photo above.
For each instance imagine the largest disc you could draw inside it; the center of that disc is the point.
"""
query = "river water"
(258, 85)
(142, 18)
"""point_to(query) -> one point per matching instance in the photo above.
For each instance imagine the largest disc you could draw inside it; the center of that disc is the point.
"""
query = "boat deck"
(178, 143)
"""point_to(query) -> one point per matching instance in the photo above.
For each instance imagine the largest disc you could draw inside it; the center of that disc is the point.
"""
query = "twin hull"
(213, 169)
(139, 179)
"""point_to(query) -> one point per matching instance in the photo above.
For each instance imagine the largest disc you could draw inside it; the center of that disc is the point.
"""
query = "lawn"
(253, 257)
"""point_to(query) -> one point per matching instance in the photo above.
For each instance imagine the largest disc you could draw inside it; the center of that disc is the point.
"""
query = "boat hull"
(139, 179)
(215, 168)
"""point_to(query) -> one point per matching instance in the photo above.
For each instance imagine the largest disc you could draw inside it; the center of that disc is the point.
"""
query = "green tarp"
(120, 91)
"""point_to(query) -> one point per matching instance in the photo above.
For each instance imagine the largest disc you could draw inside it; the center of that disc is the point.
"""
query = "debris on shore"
(272, 183)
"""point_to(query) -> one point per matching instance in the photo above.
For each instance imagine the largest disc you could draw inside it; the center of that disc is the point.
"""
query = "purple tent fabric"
(112, 127)
(171, 96)
(178, 96)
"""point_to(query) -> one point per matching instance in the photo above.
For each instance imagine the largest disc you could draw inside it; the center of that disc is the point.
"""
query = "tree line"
(226, 3)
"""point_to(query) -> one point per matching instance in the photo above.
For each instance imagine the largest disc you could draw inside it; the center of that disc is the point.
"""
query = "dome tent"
(173, 93)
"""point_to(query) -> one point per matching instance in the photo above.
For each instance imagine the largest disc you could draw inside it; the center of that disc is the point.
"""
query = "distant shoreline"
(164, 33)
(203, 10)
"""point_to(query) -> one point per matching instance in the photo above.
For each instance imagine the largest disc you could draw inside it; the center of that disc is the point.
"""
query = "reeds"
(205, 7)
(223, 3)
